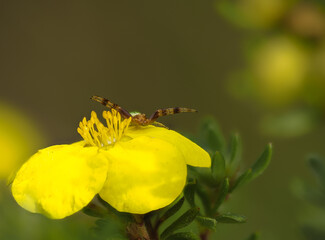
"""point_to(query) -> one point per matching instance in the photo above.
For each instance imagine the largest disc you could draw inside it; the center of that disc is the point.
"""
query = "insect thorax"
(140, 119)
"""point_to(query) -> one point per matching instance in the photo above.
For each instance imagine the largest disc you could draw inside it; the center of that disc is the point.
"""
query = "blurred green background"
(253, 65)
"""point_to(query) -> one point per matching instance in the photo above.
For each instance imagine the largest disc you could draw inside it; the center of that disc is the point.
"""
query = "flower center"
(96, 134)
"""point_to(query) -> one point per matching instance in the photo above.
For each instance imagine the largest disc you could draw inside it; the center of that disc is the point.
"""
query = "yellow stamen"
(96, 134)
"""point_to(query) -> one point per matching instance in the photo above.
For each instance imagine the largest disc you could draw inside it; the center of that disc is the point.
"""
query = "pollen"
(97, 134)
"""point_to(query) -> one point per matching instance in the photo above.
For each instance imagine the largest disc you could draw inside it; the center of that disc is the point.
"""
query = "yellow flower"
(280, 67)
(135, 169)
(19, 137)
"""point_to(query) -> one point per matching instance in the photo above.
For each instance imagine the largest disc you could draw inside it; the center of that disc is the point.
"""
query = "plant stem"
(141, 229)
(205, 235)
(153, 233)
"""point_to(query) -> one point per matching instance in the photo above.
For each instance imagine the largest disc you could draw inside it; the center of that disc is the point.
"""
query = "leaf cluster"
(210, 188)
(205, 192)
(225, 174)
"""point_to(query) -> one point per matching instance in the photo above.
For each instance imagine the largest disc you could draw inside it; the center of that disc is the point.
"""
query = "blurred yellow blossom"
(136, 169)
(279, 67)
(18, 139)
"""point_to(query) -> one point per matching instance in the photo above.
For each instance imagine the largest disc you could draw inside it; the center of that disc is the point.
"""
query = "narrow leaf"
(211, 133)
(209, 223)
(308, 192)
(235, 149)
(241, 180)
(218, 167)
(171, 211)
(183, 236)
(204, 176)
(181, 222)
(262, 162)
(222, 194)
(231, 218)
(189, 193)
(257, 169)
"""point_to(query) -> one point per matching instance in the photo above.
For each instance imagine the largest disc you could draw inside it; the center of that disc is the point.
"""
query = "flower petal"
(144, 174)
(60, 180)
(194, 155)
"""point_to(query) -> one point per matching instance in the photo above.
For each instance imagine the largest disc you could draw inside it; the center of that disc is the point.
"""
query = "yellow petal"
(60, 180)
(194, 155)
(144, 174)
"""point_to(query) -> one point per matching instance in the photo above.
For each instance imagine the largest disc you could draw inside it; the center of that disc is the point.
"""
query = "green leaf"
(171, 211)
(253, 236)
(241, 180)
(110, 229)
(222, 194)
(181, 222)
(218, 167)
(289, 124)
(313, 233)
(230, 11)
(257, 169)
(231, 218)
(235, 149)
(212, 135)
(318, 166)
(189, 193)
(203, 175)
(183, 236)
(262, 163)
(308, 192)
(207, 222)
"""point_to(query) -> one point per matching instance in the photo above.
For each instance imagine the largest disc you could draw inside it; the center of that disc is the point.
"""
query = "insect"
(140, 118)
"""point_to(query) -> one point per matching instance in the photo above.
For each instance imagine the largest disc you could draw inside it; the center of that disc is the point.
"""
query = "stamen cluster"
(96, 134)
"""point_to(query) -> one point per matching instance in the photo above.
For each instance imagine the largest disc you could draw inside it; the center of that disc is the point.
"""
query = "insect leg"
(158, 124)
(110, 105)
(169, 111)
